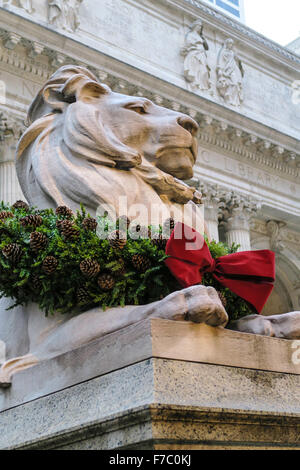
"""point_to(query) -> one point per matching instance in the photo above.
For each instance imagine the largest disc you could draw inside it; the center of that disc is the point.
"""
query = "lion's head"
(87, 144)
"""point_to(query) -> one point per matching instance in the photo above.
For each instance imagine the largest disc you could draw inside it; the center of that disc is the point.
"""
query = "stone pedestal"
(158, 385)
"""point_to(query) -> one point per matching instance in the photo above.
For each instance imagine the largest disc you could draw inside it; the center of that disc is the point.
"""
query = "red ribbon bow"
(249, 274)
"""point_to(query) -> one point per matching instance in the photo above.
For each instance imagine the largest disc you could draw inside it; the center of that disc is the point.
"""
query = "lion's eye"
(137, 109)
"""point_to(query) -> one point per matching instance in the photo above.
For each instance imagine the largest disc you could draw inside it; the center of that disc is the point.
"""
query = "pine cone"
(89, 224)
(21, 205)
(117, 239)
(83, 296)
(32, 221)
(64, 211)
(168, 226)
(141, 263)
(106, 282)
(222, 297)
(37, 284)
(6, 215)
(123, 223)
(50, 264)
(38, 241)
(89, 267)
(68, 230)
(160, 242)
(13, 252)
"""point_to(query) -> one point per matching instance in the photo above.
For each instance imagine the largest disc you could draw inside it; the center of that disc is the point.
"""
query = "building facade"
(294, 46)
(185, 55)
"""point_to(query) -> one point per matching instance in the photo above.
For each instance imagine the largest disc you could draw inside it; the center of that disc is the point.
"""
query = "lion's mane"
(70, 155)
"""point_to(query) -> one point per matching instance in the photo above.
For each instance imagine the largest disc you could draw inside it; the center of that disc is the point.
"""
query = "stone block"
(158, 385)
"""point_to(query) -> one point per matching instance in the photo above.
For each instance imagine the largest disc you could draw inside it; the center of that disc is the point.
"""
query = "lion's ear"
(83, 88)
(59, 93)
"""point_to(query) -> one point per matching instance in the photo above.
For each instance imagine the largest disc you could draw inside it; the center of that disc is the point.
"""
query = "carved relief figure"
(230, 75)
(196, 68)
(25, 4)
(64, 14)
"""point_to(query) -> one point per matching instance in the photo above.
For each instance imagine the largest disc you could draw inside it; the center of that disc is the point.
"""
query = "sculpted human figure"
(26, 5)
(196, 68)
(230, 75)
(64, 13)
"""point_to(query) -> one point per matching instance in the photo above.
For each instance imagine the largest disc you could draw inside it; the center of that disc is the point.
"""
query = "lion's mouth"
(192, 150)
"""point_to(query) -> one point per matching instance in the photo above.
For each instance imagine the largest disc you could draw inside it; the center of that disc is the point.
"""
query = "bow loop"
(249, 274)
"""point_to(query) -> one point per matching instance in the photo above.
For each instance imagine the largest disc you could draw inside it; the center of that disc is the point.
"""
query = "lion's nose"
(189, 124)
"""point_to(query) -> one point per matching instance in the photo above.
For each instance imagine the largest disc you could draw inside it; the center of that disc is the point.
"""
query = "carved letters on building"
(64, 14)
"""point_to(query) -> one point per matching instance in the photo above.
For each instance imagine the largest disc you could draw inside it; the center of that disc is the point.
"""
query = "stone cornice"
(240, 28)
(255, 149)
(40, 61)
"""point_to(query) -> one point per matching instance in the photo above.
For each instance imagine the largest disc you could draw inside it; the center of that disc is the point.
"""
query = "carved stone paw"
(205, 306)
(286, 326)
(198, 304)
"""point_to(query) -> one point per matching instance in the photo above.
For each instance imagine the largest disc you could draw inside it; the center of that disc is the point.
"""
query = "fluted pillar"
(10, 190)
(212, 199)
(238, 232)
(11, 128)
(235, 218)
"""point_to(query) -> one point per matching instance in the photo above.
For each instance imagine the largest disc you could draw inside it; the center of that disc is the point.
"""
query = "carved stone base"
(158, 384)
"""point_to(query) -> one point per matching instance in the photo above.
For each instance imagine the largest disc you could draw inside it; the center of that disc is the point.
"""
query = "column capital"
(237, 210)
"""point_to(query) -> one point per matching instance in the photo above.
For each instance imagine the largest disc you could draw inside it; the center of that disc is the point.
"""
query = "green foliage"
(25, 280)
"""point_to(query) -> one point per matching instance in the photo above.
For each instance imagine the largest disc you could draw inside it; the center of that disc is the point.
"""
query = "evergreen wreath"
(59, 260)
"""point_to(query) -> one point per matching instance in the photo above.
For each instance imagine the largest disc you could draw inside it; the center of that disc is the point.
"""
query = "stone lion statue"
(87, 144)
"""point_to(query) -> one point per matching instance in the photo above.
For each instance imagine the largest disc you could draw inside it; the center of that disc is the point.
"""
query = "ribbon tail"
(256, 293)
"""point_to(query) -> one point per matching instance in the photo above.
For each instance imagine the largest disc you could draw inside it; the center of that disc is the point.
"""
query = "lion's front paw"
(205, 306)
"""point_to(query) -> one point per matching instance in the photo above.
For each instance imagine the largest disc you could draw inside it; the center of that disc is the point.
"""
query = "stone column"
(10, 190)
(212, 199)
(10, 130)
(236, 214)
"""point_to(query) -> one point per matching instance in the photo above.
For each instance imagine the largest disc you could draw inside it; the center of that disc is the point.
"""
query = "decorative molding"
(11, 126)
(274, 230)
(287, 236)
(235, 205)
(249, 33)
(220, 134)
